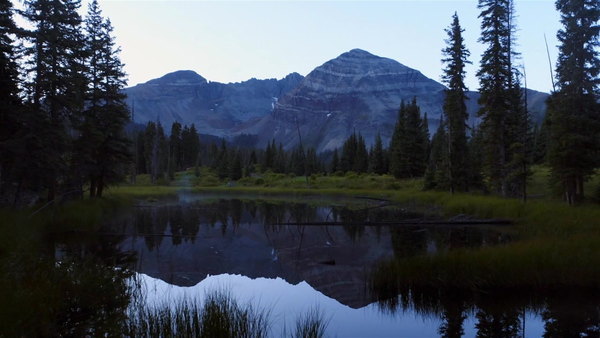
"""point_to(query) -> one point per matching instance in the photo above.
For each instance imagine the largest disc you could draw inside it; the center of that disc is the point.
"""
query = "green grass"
(312, 324)
(220, 315)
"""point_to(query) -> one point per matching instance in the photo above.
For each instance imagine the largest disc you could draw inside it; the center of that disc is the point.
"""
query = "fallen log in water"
(411, 222)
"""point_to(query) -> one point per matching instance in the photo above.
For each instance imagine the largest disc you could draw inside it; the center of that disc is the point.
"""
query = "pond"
(289, 257)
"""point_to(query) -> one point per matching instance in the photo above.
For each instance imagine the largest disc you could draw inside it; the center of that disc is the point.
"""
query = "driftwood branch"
(409, 223)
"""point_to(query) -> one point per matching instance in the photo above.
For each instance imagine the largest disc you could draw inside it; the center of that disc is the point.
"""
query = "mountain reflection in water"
(183, 243)
(80, 284)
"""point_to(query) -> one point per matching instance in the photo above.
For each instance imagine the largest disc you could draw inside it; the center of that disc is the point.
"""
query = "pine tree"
(11, 124)
(437, 175)
(520, 136)
(297, 162)
(397, 142)
(103, 143)
(176, 146)
(574, 122)
(349, 150)
(54, 61)
(269, 158)
(312, 162)
(361, 160)
(455, 109)
(494, 78)
(223, 162)
(280, 163)
(235, 168)
(335, 162)
(410, 143)
(378, 157)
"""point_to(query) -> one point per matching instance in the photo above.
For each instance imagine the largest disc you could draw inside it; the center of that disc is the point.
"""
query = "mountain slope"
(215, 108)
(355, 91)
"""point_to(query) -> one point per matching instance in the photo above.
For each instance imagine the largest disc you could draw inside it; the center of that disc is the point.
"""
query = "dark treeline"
(161, 156)
(497, 155)
(62, 111)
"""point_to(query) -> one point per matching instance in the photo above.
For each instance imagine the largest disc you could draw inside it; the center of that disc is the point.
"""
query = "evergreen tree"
(409, 145)
(476, 150)
(361, 159)
(437, 175)
(495, 77)
(235, 169)
(540, 142)
(397, 142)
(455, 109)
(349, 150)
(280, 161)
(335, 162)
(378, 157)
(573, 108)
(297, 162)
(176, 146)
(190, 144)
(11, 123)
(519, 134)
(312, 162)
(102, 142)
(269, 158)
(223, 162)
(54, 65)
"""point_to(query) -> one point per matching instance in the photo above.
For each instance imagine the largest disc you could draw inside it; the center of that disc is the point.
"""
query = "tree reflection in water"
(566, 312)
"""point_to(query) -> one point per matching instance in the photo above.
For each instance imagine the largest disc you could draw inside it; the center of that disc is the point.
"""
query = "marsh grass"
(311, 324)
(218, 316)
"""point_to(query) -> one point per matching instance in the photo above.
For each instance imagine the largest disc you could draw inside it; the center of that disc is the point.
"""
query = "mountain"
(355, 91)
(215, 108)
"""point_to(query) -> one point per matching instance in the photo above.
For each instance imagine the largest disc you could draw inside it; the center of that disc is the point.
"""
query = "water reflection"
(566, 312)
(79, 284)
(181, 243)
(72, 286)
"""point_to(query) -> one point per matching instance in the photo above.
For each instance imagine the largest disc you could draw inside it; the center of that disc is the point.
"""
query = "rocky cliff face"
(355, 91)
(215, 108)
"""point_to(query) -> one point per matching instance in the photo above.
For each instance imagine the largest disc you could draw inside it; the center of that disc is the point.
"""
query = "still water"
(290, 256)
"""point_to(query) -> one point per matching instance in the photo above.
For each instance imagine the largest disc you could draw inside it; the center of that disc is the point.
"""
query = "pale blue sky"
(229, 41)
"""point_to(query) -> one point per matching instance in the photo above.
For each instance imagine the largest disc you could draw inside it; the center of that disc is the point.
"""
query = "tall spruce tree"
(11, 123)
(107, 114)
(53, 64)
(494, 77)
(410, 143)
(573, 150)
(397, 151)
(455, 109)
(176, 146)
(335, 162)
(437, 175)
(377, 163)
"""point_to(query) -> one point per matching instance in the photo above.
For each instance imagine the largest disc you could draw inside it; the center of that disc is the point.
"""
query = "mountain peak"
(180, 77)
(359, 53)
